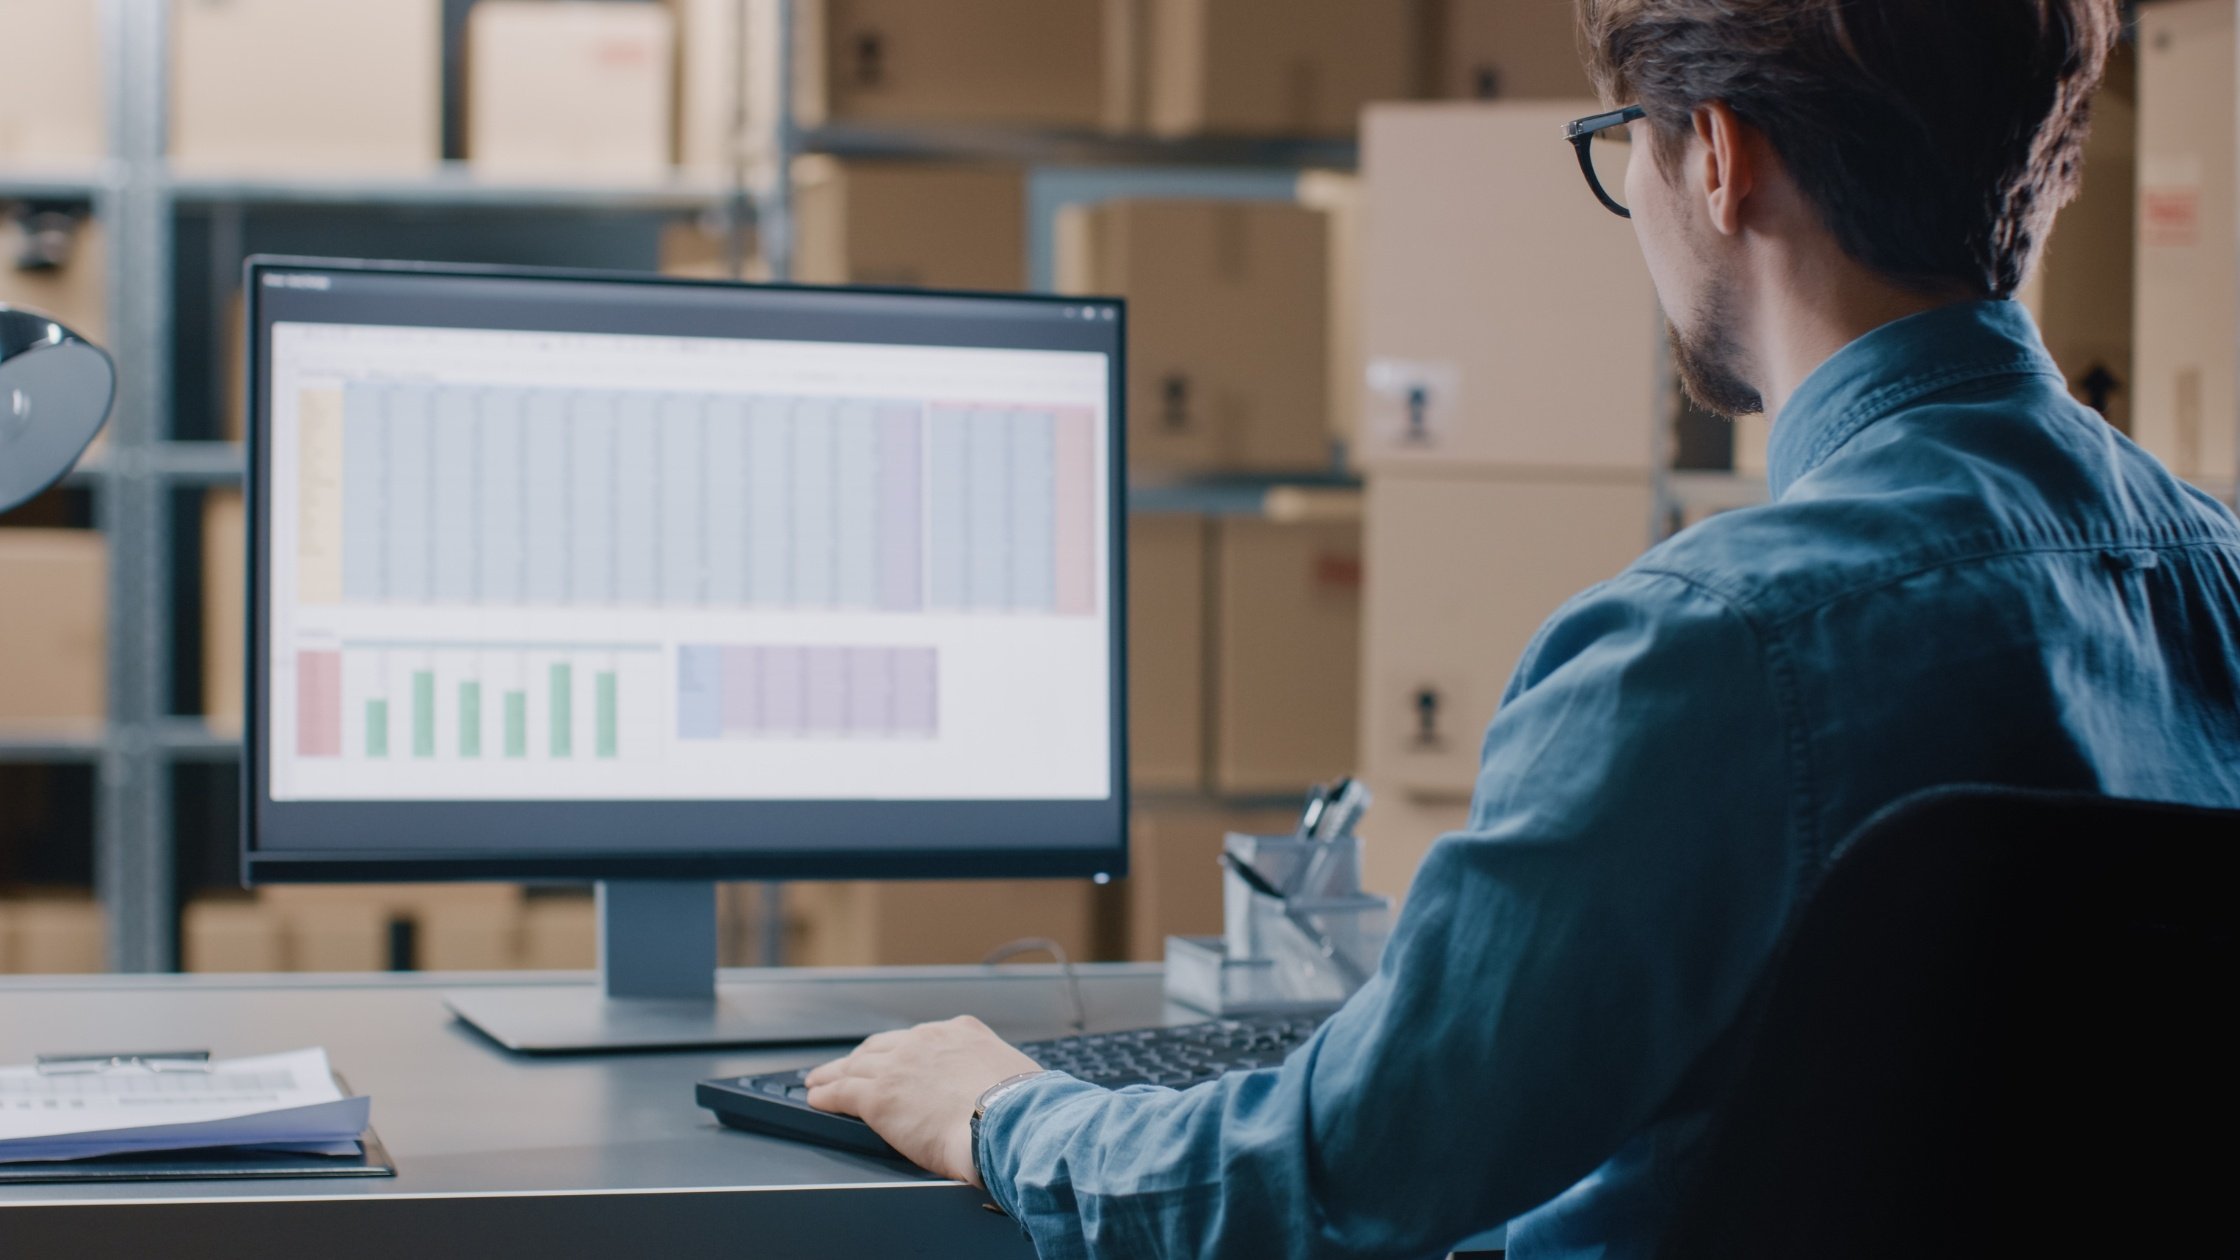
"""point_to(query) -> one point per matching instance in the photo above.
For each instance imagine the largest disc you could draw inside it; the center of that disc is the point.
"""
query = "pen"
(1315, 936)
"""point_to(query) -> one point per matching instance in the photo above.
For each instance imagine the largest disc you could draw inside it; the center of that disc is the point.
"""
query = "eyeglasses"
(1604, 149)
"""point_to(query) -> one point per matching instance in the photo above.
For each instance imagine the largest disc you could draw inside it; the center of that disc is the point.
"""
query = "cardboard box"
(1174, 869)
(1017, 63)
(225, 595)
(1509, 320)
(70, 281)
(1511, 50)
(1279, 67)
(289, 86)
(1340, 196)
(905, 224)
(946, 921)
(1398, 832)
(50, 83)
(349, 927)
(715, 61)
(1753, 435)
(1167, 609)
(1286, 651)
(559, 933)
(1229, 328)
(2188, 315)
(55, 935)
(578, 88)
(231, 934)
(2082, 292)
(54, 637)
(1462, 573)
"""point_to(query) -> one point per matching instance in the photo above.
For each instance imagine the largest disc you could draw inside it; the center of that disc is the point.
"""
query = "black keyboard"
(1177, 1057)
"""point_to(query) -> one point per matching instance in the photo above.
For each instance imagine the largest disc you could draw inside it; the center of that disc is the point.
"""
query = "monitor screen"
(577, 575)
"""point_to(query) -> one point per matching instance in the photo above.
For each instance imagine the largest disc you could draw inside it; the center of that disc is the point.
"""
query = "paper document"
(287, 1101)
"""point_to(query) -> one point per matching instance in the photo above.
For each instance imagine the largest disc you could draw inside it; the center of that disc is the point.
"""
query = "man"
(1963, 577)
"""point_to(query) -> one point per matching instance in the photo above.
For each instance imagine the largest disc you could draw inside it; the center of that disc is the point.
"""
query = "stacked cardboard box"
(1174, 869)
(1511, 50)
(357, 927)
(51, 934)
(53, 638)
(57, 264)
(571, 87)
(2187, 402)
(1035, 63)
(947, 921)
(285, 86)
(1511, 346)
(225, 597)
(1277, 67)
(908, 224)
(50, 83)
(1243, 638)
(1229, 328)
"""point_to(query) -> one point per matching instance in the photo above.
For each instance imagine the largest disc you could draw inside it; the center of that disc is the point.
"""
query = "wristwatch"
(988, 1099)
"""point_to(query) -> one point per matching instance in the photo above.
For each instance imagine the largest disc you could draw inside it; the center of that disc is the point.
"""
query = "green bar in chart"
(377, 728)
(607, 741)
(563, 709)
(424, 713)
(470, 719)
(517, 724)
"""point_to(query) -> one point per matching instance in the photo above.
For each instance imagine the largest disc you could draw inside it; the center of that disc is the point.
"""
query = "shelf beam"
(1076, 148)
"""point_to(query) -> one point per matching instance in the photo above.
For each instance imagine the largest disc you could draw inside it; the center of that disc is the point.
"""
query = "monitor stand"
(657, 989)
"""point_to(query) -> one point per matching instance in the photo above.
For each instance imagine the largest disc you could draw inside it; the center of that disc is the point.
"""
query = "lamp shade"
(55, 391)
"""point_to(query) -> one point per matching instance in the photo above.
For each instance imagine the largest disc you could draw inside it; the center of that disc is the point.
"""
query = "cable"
(1044, 945)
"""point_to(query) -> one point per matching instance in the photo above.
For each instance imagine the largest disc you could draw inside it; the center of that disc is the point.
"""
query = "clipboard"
(225, 1163)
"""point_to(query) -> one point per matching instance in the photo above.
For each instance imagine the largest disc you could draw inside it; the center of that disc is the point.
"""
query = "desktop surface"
(478, 1132)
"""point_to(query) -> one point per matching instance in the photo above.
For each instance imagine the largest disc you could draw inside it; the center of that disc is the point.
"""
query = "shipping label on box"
(570, 87)
(1499, 267)
(2186, 408)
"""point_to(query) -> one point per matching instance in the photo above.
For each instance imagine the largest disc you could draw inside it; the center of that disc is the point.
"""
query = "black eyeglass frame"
(1581, 134)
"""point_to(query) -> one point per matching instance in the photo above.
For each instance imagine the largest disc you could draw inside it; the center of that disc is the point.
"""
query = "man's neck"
(1818, 310)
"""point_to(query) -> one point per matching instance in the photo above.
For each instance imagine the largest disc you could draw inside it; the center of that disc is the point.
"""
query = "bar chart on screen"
(445, 702)
(510, 496)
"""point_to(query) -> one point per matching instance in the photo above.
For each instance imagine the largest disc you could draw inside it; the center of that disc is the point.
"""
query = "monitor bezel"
(1019, 824)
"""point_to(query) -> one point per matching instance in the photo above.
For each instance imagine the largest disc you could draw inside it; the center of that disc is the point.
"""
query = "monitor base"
(582, 1019)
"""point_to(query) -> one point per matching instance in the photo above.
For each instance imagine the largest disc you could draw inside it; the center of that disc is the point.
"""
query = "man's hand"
(917, 1088)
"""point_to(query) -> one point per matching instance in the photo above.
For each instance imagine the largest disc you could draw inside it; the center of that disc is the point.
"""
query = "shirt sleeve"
(1556, 970)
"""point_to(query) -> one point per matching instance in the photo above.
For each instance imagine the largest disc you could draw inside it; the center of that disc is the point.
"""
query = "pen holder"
(1310, 949)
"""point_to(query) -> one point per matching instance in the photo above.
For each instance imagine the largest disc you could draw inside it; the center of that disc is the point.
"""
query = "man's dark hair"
(1938, 138)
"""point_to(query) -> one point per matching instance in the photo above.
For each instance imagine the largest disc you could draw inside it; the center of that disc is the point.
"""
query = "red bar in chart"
(1074, 471)
(319, 704)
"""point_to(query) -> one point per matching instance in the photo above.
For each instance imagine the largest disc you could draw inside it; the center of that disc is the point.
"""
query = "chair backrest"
(2001, 1024)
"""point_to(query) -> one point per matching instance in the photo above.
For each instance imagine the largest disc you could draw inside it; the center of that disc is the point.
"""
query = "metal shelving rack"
(137, 195)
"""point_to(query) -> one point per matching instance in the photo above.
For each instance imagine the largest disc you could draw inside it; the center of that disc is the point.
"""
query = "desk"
(503, 1155)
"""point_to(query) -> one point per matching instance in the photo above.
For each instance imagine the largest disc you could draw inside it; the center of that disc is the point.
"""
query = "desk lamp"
(55, 392)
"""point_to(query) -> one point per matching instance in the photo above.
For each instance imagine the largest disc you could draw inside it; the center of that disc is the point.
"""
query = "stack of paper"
(287, 1102)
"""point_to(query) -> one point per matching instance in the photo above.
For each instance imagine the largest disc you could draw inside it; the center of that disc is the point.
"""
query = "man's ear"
(1729, 173)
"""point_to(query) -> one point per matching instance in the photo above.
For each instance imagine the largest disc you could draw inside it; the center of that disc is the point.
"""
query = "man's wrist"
(988, 1099)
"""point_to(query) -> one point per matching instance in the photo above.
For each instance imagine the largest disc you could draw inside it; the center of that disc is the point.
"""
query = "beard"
(1709, 361)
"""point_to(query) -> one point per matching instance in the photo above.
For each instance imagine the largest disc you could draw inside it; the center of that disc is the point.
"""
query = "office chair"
(2002, 1025)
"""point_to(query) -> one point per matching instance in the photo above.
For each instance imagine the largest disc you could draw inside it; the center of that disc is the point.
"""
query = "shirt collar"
(1893, 367)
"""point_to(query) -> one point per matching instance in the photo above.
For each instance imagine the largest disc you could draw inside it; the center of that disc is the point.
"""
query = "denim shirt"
(1963, 577)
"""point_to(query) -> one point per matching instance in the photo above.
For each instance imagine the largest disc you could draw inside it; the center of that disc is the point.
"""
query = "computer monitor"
(653, 582)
